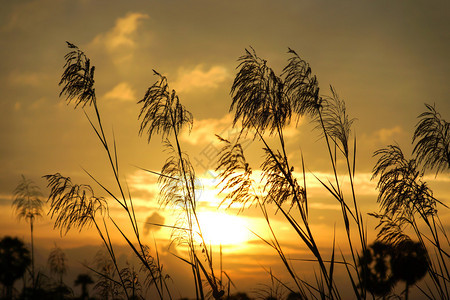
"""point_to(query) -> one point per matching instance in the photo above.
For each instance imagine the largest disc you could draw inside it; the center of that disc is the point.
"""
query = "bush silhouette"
(14, 260)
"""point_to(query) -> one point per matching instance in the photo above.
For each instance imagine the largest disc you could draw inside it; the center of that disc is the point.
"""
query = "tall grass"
(407, 201)
(77, 206)
(264, 103)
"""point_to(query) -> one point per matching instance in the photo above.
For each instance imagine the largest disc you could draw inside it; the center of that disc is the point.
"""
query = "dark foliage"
(14, 260)
(410, 263)
(375, 265)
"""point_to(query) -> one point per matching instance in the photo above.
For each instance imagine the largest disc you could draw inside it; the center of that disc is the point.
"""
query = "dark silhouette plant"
(162, 113)
(407, 202)
(432, 141)
(84, 280)
(410, 263)
(375, 264)
(265, 103)
(14, 261)
(75, 205)
(28, 205)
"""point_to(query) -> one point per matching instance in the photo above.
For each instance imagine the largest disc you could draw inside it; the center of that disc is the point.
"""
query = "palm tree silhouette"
(28, 205)
(84, 280)
(14, 260)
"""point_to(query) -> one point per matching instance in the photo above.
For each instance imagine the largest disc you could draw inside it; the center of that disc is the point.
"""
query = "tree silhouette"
(28, 205)
(410, 263)
(84, 280)
(376, 270)
(14, 260)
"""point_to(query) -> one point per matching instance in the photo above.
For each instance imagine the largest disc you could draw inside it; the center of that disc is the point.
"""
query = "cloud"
(204, 130)
(120, 40)
(154, 218)
(31, 79)
(386, 135)
(122, 91)
(199, 78)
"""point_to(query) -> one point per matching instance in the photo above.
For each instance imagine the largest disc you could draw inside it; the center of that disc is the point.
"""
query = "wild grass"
(263, 103)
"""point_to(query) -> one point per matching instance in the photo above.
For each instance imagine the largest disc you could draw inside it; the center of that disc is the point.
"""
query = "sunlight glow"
(221, 228)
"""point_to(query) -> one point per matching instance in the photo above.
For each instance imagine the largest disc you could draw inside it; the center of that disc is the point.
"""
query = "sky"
(384, 58)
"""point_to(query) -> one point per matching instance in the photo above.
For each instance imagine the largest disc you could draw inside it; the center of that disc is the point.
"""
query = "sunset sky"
(385, 58)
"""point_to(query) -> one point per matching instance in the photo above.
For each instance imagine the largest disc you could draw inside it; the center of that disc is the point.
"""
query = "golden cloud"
(122, 91)
(120, 39)
(199, 77)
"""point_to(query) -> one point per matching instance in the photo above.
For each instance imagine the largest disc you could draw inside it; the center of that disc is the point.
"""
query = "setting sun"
(221, 228)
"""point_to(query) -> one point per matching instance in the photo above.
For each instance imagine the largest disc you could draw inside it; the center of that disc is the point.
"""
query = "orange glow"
(221, 228)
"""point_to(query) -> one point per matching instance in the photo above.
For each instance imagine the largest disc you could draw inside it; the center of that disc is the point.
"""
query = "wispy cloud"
(123, 91)
(120, 40)
(204, 130)
(27, 78)
(386, 135)
(200, 77)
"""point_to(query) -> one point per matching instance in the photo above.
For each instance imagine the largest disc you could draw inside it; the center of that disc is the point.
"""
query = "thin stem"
(32, 253)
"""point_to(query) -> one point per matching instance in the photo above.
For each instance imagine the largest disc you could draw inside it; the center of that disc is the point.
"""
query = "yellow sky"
(386, 59)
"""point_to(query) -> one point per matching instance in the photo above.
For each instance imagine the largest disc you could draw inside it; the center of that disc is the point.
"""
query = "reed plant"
(408, 203)
(264, 104)
(77, 206)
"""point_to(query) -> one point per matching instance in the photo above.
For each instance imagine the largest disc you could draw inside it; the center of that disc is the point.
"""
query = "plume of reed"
(280, 184)
(401, 189)
(432, 141)
(72, 205)
(336, 121)
(78, 78)
(162, 111)
(235, 174)
(57, 262)
(301, 86)
(258, 95)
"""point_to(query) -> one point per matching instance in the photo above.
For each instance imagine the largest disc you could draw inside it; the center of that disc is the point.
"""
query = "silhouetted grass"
(263, 103)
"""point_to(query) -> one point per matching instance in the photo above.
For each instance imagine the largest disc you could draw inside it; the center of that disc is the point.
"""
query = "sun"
(219, 228)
